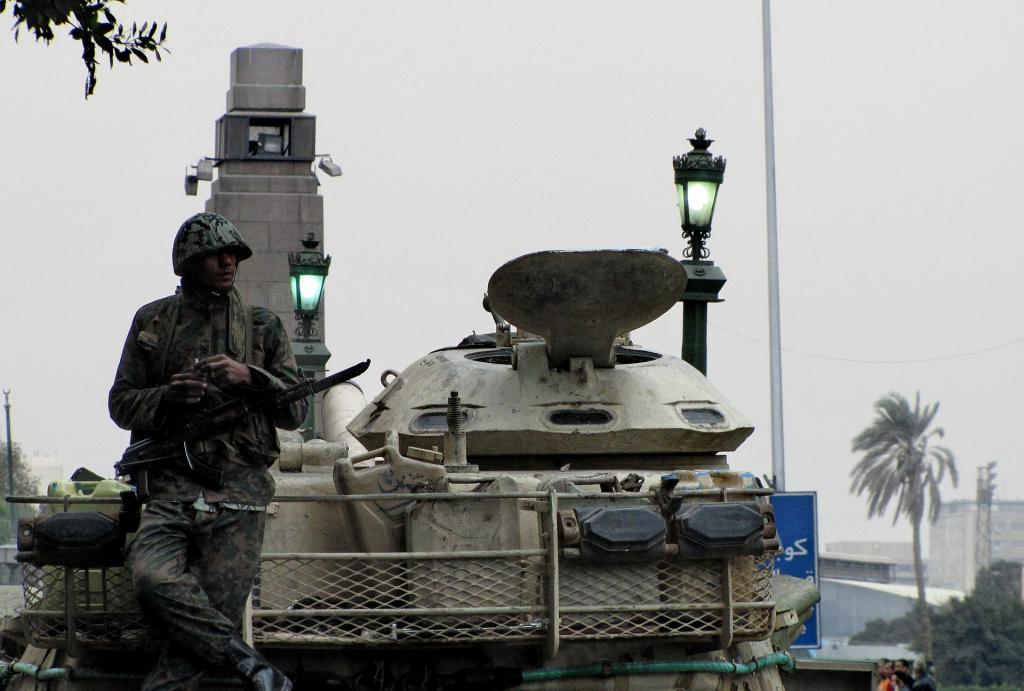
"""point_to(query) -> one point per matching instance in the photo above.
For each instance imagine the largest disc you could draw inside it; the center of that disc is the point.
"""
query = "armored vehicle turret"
(569, 386)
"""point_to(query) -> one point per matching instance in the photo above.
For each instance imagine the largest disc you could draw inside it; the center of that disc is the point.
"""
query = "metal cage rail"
(397, 599)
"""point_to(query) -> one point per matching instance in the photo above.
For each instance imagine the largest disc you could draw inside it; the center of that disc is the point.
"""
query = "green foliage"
(24, 483)
(92, 24)
(981, 638)
(900, 631)
(998, 584)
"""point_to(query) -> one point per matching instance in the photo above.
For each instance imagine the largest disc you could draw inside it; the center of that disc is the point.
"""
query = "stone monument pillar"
(265, 149)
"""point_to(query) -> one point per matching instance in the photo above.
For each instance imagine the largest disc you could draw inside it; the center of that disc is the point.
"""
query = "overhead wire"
(882, 361)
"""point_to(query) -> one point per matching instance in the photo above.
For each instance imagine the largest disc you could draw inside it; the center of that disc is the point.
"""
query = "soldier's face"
(217, 271)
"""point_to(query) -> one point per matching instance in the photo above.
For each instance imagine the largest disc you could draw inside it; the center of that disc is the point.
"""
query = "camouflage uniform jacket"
(166, 337)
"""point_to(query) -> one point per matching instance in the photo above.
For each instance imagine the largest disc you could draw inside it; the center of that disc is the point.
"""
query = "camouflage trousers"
(193, 571)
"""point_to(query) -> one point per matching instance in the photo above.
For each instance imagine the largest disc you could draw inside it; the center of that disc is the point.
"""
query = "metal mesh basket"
(671, 599)
(396, 599)
(95, 607)
(434, 598)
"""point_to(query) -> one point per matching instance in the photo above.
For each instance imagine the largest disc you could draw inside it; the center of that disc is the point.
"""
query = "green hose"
(600, 669)
(30, 670)
(784, 660)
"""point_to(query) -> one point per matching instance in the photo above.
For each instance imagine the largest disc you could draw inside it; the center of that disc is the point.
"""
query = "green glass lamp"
(307, 271)
(698, 175)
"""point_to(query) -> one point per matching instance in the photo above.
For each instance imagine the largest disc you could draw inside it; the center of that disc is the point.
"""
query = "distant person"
(901, 674)
(884, 668)
(922, 680)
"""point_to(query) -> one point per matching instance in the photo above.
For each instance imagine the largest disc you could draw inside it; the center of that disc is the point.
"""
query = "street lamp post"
(10, 462)
(698, 175)
(307, 272)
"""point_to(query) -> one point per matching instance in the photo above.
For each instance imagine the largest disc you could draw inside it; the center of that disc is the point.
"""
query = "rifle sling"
(247, 357)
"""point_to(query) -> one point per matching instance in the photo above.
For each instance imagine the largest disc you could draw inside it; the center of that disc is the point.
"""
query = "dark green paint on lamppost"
(698, 175)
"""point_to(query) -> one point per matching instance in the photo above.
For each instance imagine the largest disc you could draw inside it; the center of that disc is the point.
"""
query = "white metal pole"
(774, 339)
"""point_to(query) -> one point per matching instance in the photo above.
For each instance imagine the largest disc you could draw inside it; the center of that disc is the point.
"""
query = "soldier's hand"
(185, 387)
(225, 372)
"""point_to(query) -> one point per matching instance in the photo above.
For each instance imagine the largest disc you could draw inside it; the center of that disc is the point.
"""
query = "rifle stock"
(171, 447)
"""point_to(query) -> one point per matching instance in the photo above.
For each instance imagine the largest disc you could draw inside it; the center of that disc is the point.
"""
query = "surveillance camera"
(204, 169)
(330, 167)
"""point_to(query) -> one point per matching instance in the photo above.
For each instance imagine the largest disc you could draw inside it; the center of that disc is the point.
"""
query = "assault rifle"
(171, 447)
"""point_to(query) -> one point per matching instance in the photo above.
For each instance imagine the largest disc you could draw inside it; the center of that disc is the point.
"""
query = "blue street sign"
(796, 517)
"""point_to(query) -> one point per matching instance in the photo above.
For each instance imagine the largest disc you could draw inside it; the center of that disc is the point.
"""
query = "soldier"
(196, 553)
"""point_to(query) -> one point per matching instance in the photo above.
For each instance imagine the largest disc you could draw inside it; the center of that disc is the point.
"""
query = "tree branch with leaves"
(92, 24)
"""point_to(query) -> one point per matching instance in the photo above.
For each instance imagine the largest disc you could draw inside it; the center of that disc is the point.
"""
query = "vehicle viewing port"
(575, 417)
(701, 416)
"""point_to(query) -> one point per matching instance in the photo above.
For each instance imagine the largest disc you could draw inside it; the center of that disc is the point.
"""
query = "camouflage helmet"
(204, 234)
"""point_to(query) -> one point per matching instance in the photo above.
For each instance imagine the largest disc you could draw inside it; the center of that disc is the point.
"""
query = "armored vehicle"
(546, 507)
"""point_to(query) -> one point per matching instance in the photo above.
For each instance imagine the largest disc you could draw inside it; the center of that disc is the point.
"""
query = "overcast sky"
(474, 132)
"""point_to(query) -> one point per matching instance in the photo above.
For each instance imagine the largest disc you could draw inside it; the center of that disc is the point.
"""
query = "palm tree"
(899, 462)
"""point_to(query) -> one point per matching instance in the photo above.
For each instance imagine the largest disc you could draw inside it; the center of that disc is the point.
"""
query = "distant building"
(898, 551)
(860, 581)
(846, 606)
(953, 541)
(858, 567)
(10, 569)
(46, 468)
(878, 562)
